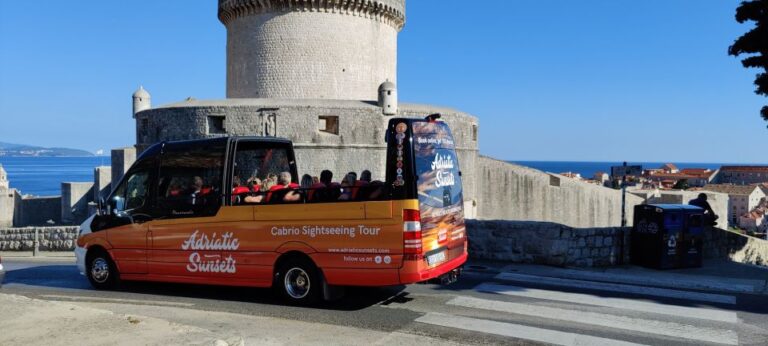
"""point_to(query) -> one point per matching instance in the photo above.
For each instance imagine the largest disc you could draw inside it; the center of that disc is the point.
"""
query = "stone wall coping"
(294, 103)
(391, 12)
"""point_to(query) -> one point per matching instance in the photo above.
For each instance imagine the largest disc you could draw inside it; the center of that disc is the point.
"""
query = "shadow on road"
(67, 277)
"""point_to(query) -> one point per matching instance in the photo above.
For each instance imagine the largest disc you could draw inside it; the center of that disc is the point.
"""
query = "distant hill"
(23, 150)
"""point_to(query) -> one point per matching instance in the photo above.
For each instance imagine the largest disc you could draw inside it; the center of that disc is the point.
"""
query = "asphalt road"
(479, 309)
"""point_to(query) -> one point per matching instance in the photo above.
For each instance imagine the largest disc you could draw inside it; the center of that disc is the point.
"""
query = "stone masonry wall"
(736, 247)
(547, 243)
(50, 238)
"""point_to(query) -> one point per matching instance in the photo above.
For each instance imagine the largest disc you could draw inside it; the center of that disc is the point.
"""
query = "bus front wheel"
(101, 270)
(299, 282)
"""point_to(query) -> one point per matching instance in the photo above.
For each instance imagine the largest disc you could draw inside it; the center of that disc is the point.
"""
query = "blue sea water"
(42, 176)
(588, 169)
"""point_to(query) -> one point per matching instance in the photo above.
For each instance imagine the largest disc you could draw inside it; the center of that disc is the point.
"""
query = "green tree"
(754, 43)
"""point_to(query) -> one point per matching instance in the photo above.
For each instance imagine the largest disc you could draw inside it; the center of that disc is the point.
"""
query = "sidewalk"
(28, 321)
(47, 255)
(714, 276)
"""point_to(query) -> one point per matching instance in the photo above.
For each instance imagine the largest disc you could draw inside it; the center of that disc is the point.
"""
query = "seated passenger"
(306, 181)
(326, 177)
(375, 190)
(365, 176)
(284, 183)
(347, 185)
(198, 190)
(263, 192)
(238, 191)
(314, 186)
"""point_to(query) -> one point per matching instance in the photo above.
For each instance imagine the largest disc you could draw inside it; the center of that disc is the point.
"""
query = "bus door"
(126, 223)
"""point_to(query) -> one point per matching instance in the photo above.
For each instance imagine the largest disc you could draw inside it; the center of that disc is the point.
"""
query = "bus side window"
(189, 184)
(256, 172)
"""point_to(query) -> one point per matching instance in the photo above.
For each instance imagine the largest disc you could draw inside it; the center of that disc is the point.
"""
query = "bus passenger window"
(189, 183)
(263, 166)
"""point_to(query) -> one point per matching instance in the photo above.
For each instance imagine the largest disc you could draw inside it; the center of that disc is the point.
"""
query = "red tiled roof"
(761, 169)
(731, 189)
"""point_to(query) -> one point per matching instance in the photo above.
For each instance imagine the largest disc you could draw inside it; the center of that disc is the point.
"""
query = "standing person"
(709, 215)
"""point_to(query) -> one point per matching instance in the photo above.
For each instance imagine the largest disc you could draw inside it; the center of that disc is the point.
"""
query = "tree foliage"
(754, 43)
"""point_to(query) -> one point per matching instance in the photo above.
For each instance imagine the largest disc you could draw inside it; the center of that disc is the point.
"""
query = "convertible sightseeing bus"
(230, 211)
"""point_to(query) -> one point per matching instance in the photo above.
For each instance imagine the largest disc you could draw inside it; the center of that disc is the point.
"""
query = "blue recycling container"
(667, 236)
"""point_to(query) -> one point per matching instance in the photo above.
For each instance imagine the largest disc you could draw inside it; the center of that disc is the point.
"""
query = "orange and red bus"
(230, 211)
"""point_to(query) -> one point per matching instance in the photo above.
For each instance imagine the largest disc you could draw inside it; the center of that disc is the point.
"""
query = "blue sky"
(586, 80)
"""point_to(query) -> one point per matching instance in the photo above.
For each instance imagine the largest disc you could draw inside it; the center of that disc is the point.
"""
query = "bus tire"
(101, 270)
(299, 282)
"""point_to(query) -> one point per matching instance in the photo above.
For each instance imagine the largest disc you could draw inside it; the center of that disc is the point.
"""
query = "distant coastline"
(24, 150)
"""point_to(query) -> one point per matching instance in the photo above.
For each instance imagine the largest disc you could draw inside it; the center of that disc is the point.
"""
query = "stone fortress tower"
(322, 73)
(331, 49)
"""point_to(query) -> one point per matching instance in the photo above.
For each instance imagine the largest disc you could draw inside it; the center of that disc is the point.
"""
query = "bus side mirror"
(100, 206)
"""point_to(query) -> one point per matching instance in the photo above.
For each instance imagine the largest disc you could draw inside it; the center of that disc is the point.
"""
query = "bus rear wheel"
(299, 282)
(101, 270)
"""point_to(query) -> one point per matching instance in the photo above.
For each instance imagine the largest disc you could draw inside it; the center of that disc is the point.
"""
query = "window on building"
(328, 124)
(216, 124)
(474, 132)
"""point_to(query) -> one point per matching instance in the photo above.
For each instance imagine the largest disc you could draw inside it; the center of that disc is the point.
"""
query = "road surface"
(486, 306)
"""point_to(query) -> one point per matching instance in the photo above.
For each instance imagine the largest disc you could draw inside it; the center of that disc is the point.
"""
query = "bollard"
(36, 244)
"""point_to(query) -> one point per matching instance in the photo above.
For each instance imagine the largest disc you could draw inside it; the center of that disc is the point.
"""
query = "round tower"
(141, 101)
(332, 49)
(388, 98)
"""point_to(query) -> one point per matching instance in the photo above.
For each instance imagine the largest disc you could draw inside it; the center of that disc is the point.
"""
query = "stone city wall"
(736, 247)
(62, 238)
(511, 192)
(547, 243)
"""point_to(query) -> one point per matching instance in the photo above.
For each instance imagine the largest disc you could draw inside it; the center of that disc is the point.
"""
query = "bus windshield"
(437, 168)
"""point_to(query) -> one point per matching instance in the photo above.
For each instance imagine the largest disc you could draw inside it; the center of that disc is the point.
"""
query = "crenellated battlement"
(391, 12)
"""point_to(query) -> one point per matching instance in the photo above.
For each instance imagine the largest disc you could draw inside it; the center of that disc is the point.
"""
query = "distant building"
(601, 177)
(572, 175)
(741, 198)
(668, 175)
(743, 175)
(670, 168)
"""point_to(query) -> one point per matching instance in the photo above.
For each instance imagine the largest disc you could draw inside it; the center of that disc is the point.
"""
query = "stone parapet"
(391, 12)
(49, 238)
(547, 243)
(736, 247)
(511, 192)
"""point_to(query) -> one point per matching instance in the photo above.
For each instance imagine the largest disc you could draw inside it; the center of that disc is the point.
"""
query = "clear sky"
(587, 80)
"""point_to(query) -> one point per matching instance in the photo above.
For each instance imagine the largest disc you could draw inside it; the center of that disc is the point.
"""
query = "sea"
(42, 176)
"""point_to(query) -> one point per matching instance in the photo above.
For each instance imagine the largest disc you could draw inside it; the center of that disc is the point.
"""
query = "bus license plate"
(436, 258)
